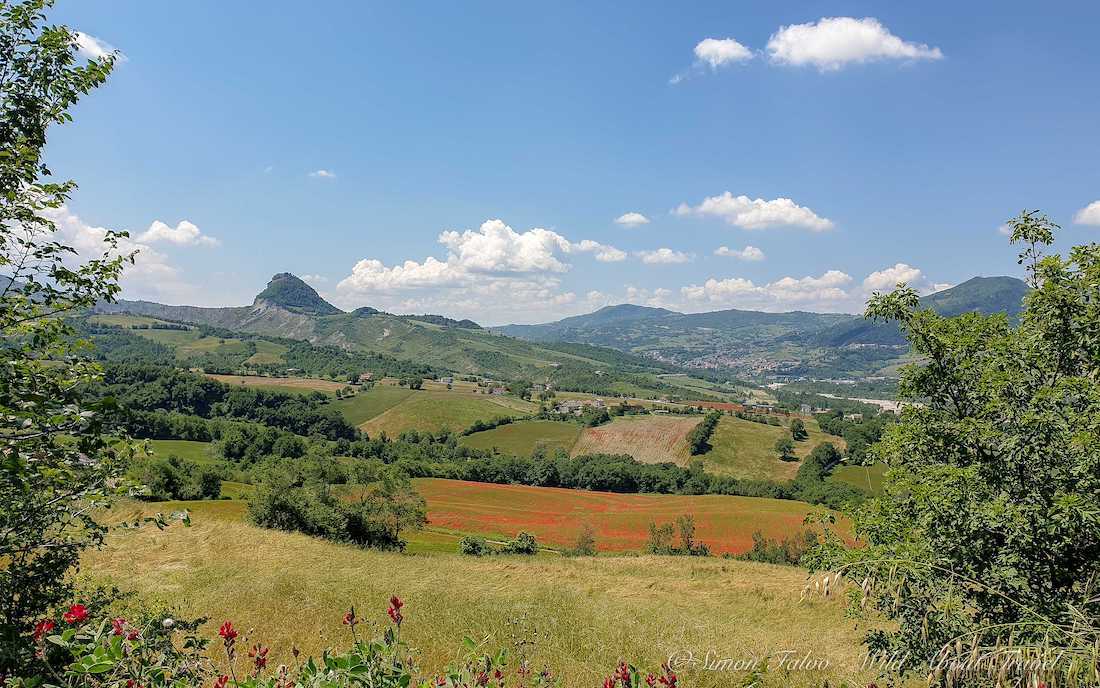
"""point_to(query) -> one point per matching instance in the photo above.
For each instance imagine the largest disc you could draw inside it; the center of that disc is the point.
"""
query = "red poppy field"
(621, 521)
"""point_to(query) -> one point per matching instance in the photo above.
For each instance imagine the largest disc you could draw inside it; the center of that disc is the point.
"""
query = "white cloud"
(152, 276)
(758, 213)
(888, 278)
(1005, 230)
(603, 252)
(315, 279)
(323, 174)
(834, 42)
(748, 253)
(827, 292)
(1089, 215)
(93, 48)
(663, 256)
(716, 52)
(183, 234)
(632, 219)
(493, 273)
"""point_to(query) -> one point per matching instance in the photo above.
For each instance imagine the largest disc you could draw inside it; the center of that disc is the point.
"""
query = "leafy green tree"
(798, 430)
(784, 446)
(987, 534)
(57, 467)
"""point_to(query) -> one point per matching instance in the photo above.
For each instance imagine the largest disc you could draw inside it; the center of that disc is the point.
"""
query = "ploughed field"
(620, 521)
(649, 439)
(582, 614)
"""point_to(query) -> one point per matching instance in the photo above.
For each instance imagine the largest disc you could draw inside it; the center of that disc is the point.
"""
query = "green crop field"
(267, 353)
(435, 411)
(745, 449)
(296, 385)
(522, 438)
(199, 452)
(290, 590)
(866, 478)
(370, 403)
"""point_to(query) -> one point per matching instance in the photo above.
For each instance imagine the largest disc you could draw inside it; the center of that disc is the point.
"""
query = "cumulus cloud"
(1004, 230)
(663, 256)
(315, 279)
(323, 174)
(152, 276)
(602, 252)
(742, 211)
(716, 52)
(748, 253)
(183, 234)
(1089, 215)
(493, 272)
(631, 220)
(828, 291)
(93, 48)
(887, 278)
(835, 42)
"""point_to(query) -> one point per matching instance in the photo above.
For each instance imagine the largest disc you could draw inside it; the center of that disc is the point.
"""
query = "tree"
(784, 446)
(798, 430)
(987, 534)
(57, 467)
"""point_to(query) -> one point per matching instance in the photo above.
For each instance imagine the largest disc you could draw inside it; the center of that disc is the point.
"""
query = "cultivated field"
(290, 590)
(370, 403)
(523, 437)
(199, 452)
(745, 449)
(621, 521)
(281, 384)
(650, 439)
(434, 411)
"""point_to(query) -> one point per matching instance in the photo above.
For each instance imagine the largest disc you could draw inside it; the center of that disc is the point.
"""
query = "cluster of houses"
(576, 406)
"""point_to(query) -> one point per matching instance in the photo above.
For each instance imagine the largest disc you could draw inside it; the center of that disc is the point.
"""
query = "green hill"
(289, 292)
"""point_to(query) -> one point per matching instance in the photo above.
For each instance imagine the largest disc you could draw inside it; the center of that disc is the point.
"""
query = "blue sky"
(471, 159)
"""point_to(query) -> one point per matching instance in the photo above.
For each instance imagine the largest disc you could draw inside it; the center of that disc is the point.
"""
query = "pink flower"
(258, 653)
(76, 614)
(221, 681)
(118, 625)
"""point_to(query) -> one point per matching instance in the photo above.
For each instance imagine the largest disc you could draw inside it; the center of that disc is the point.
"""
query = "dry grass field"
(290, 590)
(745, 449)
(281, 384)
(649, 439)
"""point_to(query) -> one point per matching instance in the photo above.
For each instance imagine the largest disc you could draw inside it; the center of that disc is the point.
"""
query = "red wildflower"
(349, 617)
(42, 628)
(609, 682)
(221, 681)
(395, 610)
(131, 683)
(623, 673)
(118, 625)
(650, 680)
(482, 678)
(76, 614)
(258, 653)
(227, 632)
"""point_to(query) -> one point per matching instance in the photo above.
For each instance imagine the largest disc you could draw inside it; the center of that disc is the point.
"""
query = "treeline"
(156, 388)
(699, 437)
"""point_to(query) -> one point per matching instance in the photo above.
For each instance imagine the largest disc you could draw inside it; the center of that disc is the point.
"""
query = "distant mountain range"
(795, 342)
(747, 342)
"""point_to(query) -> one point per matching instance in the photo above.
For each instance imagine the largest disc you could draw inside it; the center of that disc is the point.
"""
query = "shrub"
(474, 546)
(176, 478)
(523, 543)
(788, 551)
(661, 537)
(784, 446)
(798, 430)
(585, 544)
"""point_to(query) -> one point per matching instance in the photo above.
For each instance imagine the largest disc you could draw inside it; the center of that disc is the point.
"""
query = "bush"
(798, 430)
(661, 538)
(524, 543)
(585, 544)
(784, 446)
(788, 551)
(474, 546)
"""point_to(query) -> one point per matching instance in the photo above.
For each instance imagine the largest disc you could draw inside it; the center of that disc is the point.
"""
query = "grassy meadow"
(290, 590)
(523, 437)
(302, 385)
(866, 478)
(370, 403)
(744, 449)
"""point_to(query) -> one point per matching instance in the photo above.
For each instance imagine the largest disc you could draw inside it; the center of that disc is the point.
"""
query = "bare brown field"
(649, 439)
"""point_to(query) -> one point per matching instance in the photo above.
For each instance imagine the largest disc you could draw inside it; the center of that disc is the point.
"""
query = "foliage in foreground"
(984, 548)
(84, 650)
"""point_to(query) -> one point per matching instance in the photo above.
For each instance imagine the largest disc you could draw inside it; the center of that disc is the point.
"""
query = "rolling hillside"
(288, 308)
